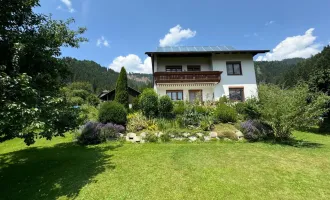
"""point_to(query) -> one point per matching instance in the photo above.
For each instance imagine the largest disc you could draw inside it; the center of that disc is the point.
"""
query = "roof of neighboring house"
(201, 49)
(131, 91)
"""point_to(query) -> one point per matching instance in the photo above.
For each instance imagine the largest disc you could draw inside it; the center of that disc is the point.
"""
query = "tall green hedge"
(122, 88)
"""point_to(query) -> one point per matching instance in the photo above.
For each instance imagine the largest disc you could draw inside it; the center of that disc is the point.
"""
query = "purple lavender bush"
(255, 130)
(96, 133)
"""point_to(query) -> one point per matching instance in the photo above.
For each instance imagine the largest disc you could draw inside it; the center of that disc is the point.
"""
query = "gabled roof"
(131, 91)
(201, 49)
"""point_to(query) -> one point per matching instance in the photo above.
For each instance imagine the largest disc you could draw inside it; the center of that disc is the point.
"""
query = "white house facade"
(208, 73)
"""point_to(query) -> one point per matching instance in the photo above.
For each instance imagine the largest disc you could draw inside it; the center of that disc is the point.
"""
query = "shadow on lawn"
(52, 172)
(296, 143)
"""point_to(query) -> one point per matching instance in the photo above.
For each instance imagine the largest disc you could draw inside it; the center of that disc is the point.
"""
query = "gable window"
(236, 94)
(174, 68)
(193, 68)
(175, 94)
(234, 68)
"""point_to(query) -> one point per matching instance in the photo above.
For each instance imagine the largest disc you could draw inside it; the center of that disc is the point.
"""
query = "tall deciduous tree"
(31, 73)
(121, 88)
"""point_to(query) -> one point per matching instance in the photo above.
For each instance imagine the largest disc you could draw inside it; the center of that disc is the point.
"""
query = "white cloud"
(68, 4)
(269, 23)
(175, 35)
(302, 46)
(102, 42)
(132, 63)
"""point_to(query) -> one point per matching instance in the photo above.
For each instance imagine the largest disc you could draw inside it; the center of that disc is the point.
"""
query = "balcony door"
(194, 95)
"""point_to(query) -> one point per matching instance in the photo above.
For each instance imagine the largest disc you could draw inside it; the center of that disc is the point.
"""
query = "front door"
(195, 95)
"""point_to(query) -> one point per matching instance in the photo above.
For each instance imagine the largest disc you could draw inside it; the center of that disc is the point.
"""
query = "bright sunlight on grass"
(61, 169)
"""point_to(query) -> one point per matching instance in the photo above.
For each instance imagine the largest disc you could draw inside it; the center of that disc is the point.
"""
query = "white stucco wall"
(247, 79)
(207, 91)
(204, 62)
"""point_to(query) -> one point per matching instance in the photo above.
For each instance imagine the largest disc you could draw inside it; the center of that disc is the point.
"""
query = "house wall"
(204, 62)
(215, 63)
(247, 79)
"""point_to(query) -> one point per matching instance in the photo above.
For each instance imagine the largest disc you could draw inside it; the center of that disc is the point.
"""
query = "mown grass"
(59, 169)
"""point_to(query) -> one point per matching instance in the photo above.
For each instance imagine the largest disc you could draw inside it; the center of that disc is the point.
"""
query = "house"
(110, 95)
(205, 72)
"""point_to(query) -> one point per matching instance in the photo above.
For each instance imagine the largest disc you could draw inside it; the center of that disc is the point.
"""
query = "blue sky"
(119, 32)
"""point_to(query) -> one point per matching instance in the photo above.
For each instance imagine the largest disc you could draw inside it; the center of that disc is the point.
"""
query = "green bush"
(191, 117)
(165, 106)
(252, 109)
(288, 109)
(149, 103)
(178, 108)
(93, 100)
(225, 113)
(151, 137)
(135, 104)
(112, 112)
(136, 122)
(207, 123)
(165, 138)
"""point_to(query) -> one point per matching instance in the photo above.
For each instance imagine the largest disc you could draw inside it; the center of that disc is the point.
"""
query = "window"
(194, 68)
(174, 68)
(175, 94)
(234, 68)
(236, 94)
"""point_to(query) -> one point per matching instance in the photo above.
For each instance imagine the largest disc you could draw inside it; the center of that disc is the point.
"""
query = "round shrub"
(151, 137)
(112, 112)
(254, 130)
(149, 103)
(91, 134)
(178, 108)
(165, 106)
(135, 104)
(225, 114)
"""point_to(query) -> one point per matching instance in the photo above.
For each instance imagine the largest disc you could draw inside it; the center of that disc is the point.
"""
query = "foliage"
(165, 137)
(151, 137)
(225, 113)
(207, 123)
(135, 104)
(149, 103)
(87, 113)
(136, 122)
(112, 112)
(223, 100)
(31, 73)
(285, 110)
(190, 116)
(179, 107)
(122, 88)
(96, 133)
(229, 134)
(79, 93)
(254, 130)
(165, 106)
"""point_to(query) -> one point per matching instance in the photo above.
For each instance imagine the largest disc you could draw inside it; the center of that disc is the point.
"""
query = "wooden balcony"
(185, 77)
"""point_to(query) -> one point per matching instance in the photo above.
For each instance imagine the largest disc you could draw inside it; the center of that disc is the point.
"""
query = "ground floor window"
(194, 95)
(236, 94)
(175, 94)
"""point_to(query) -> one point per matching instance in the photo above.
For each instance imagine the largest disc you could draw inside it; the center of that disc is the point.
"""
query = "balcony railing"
(179, 77)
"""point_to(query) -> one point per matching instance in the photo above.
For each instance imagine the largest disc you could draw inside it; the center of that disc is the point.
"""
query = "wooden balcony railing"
(179, 77)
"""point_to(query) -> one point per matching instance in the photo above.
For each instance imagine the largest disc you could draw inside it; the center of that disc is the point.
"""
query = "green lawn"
(59, 169)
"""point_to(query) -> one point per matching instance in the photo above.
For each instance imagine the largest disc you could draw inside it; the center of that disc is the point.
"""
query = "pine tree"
(121, 88)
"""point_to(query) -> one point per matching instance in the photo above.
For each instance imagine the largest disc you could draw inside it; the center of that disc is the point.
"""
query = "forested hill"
(274, 71)
(100, 77)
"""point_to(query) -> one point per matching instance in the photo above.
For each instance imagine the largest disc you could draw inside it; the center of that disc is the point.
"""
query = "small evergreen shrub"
(252, 109)
(165, 106)
(149, 103)
(151, 137)
(112, 112)
(225, 113)
(178, 108)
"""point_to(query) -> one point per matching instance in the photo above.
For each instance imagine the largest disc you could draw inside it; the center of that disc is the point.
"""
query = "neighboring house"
(205, 72)
(110, 95)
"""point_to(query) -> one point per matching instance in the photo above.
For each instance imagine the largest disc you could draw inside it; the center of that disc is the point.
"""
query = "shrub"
(111, 131)
(91, 134)
(191, 117)
(223, 100)
(93, 100)
(230, 134)
(149, 103)
(285, 110)
(225, 113)
(254, 130)
(135, 104)
(136, 122)
(165, 137)
(165, 106)
(151, 137)
(178, 108)
(252, 109)
(207, 123)
(87, 113)
(112, 112)
(121, 95)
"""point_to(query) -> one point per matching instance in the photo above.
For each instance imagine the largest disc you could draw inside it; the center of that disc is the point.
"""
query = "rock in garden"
(137, 139)
(200, 134)
(213, 134)
(131, 136)
(207, 138)
(239, 134)
(192, 138)
(143, 135)
(186, 134)
(159, 134)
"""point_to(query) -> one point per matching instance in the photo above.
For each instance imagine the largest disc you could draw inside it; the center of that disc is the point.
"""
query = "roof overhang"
(183, 53)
